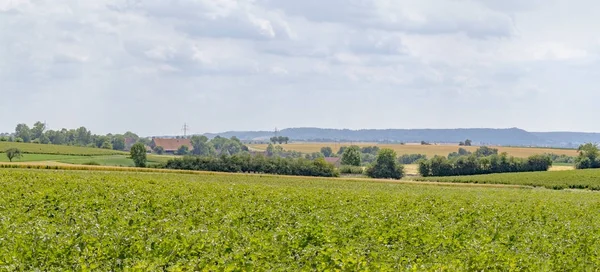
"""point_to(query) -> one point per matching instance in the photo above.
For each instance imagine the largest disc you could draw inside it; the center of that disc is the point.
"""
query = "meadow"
(574, 179)
(30, 148)
(429, 150)
(113, 221)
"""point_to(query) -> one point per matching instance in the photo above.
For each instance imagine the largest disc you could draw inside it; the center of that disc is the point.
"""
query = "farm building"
(171, 145)
(336, 161)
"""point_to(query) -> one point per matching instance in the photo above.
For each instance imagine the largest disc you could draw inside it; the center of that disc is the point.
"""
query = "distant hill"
(506, 137)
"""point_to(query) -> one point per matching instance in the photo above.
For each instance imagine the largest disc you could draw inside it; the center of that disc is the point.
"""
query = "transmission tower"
(185, 129)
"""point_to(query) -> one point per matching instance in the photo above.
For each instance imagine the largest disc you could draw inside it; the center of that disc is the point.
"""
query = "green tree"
(183, 150)
(118, 142)
(23, 132)
(327, 151)
(13, 153)
(468, 142)
(201, 146)
(588, 156)
(138, 154)
(159, 150)
(485, 151)
(83, 136)
(351, 156)
(106, 145)
(38, 130)
(386, 166)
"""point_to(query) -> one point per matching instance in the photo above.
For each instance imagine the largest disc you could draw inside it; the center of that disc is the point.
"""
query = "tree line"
(246, 163)
(81, 136)
(483, 161)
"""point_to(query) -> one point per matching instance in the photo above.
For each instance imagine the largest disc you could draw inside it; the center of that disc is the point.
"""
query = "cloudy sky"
(151, 65)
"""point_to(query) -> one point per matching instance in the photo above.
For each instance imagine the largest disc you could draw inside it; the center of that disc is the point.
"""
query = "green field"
(107, 221)
(57, 149)
(106, 160)
(575, 179)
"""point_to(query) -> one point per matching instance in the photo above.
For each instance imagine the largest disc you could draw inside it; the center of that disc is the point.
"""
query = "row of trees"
(246, 163)
(77, 137)
(589, 157)
(279, 140)
(475, 165)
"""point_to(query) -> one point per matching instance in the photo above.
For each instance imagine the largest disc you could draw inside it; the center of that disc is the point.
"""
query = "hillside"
(29, 148)
(487, 136)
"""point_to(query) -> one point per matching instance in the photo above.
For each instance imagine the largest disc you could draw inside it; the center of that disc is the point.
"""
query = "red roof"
(332, 160)
(172, 144)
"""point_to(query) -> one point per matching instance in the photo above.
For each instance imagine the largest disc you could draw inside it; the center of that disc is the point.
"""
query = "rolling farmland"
(575, 179)
(81, 220)
(30, 148)
(429, 150)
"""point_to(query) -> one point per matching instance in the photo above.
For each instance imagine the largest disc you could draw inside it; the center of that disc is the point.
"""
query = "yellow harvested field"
(429, 150)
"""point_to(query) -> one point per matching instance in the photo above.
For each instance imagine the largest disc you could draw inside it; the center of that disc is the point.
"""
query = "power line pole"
(185, 129)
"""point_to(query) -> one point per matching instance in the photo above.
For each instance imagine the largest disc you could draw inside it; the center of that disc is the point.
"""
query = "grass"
(106, 160)
(57, 149)
(574, 179)
(112, 221)
(429, 150)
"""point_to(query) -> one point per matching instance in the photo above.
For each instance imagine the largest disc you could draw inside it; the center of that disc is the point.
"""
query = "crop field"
(429, 150)
(111, 221)
(106, 160)
(57, 149)
(574, 179)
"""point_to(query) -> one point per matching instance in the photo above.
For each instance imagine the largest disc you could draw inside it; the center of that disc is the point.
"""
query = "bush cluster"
(351, 170)
(475, 165)
(245, 163)
(411, 158)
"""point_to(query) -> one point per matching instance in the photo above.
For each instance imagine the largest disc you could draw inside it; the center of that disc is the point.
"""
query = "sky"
(149, 66)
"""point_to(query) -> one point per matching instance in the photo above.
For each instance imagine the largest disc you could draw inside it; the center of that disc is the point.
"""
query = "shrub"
(411, 158)
(245, 163)
(91, 163)
(351, 170)
(386, 166)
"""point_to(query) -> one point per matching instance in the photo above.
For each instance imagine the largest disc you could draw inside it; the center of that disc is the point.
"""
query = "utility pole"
(185, 130)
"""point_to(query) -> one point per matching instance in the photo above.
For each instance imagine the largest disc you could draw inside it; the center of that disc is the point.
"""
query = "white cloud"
(257, 64)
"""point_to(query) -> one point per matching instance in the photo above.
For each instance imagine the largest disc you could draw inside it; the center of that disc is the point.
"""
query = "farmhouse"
(171, 145)
(336, 161)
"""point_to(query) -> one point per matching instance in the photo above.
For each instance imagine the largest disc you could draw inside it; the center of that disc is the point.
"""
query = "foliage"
(351, 170)
(159, 150)
(386, 166)
(562, 158)
(425, 143)
(103, 221)
(13, 153)
(183, 150)
(573, 179)
(351, 156)
(461, 152)
(485, 151)
(473, 165)
(466, 143)
(327, 151)
(367, 158)
(373, 150)
(138, 154)
(118, 142)
(280, 140)
(314, 156)
(589, 156)
(411, 158)
(23, 132)
(107, 145)
(245, 163)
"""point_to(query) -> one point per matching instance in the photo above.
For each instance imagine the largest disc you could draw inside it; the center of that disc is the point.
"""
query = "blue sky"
(149, 66)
